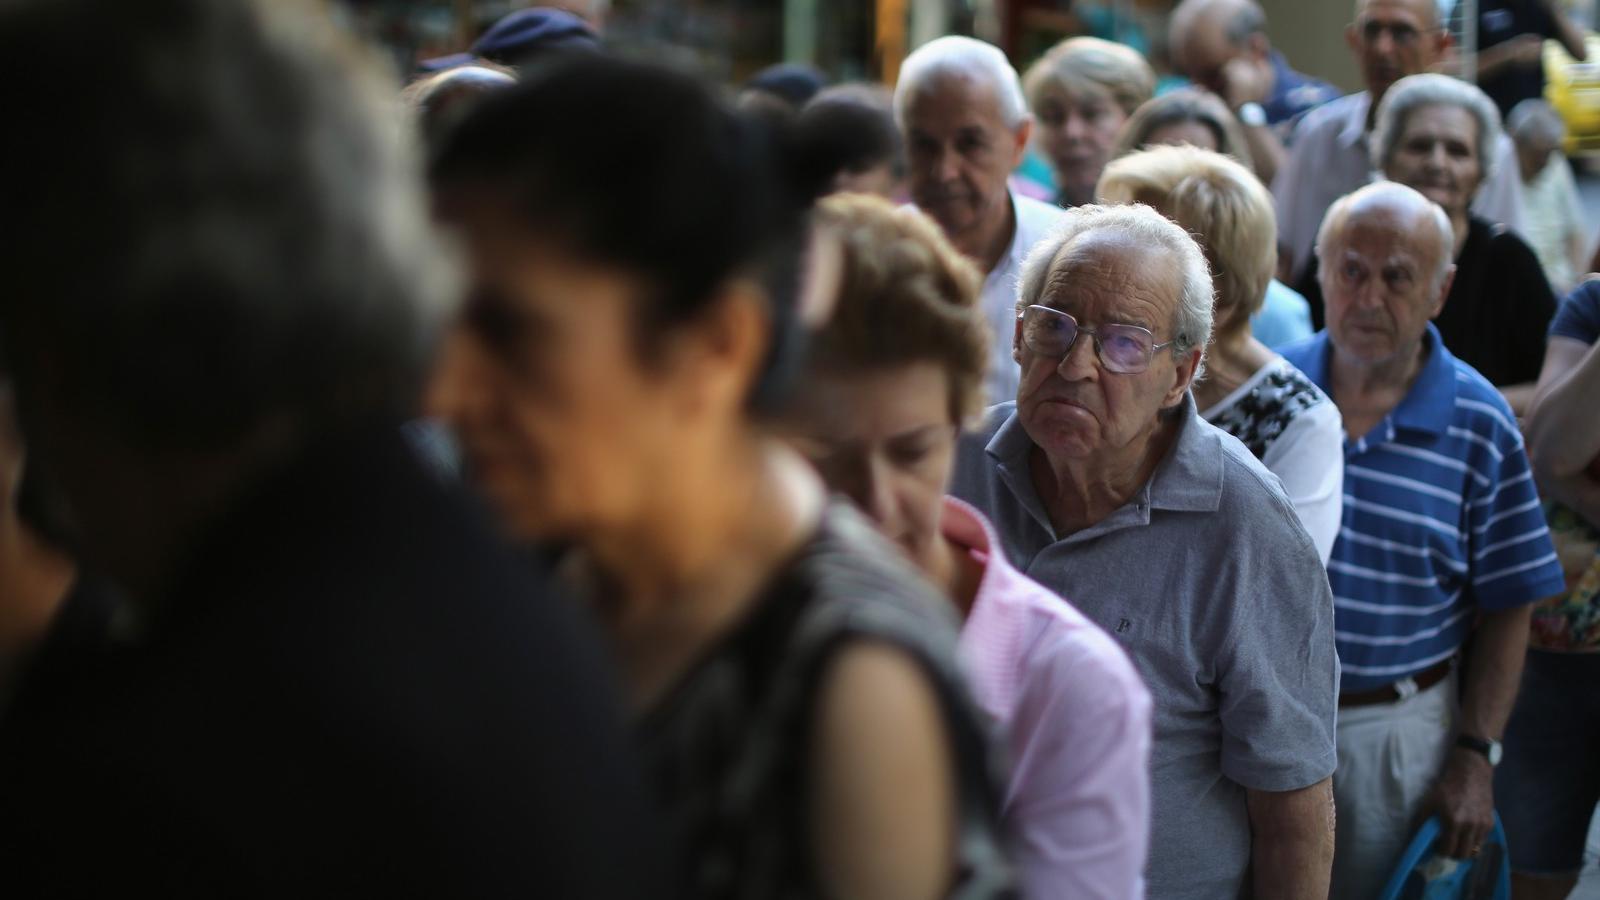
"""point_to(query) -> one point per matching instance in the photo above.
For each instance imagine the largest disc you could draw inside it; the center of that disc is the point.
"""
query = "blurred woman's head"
(848, 135)
(1437, 135)
(1184, 116)
(1538, 131)
(1223, 205)
(897, 369)
(632, 301)
(1081, 92)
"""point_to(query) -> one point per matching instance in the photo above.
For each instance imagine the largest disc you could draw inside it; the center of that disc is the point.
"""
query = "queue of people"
(577, 479)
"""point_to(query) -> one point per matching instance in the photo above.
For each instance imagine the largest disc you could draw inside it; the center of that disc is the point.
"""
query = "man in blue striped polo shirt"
(1442, 540)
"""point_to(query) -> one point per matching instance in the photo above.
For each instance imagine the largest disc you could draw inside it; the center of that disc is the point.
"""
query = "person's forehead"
(954, 98)
(1387, 236)
(1074, 91)
(1116, 266)
(1441, 119)
(1419, 14)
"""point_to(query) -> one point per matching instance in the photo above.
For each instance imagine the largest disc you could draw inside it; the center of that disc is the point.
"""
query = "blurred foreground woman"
(891, 380)
(636, 251)
(334, 682)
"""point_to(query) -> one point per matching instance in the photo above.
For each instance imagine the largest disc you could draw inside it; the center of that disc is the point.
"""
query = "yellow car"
(1573, 88)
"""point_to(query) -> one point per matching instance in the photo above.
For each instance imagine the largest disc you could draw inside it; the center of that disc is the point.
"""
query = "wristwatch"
(1491, 750)
(1252, 115)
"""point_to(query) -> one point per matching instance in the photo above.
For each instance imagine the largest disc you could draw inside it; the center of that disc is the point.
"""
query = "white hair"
(1416, 91)
(1536, 119)
(1392, 196)
(1191, 320)
(954, 55)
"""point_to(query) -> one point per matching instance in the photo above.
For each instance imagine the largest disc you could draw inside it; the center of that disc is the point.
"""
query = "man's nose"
(1080, 363)
(947, 166)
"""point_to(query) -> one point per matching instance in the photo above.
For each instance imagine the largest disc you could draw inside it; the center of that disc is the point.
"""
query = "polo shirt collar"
(1431, 402)
(1354, 130)
(1189, 479)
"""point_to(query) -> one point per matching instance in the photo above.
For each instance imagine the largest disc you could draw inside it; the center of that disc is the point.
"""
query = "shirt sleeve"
(1080, 782)
(1512, 558)
(1579, 316)
(1309, 459)
(1278, 673)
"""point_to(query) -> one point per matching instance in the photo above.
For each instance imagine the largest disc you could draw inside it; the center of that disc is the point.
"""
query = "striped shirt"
(1441, 520)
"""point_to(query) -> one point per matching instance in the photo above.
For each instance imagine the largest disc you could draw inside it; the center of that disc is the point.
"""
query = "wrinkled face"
(1072, 406)
(1378, 285)
(1076, 131)
(959, 152)
(562, 425)
(1437, 154)
(1394, 38)
(886, 440)
(1176, 134)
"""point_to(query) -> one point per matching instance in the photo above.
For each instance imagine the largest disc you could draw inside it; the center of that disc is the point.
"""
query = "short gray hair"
(259, 247)
(954, 55)
(1416, 91)
(1191, 320)
(1394, 196)
(1536, 119)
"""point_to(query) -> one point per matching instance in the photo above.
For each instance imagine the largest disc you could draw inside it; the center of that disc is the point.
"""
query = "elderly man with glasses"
(1106, 486)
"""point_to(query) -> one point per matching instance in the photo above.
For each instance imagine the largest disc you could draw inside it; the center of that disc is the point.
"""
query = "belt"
(1400, 690)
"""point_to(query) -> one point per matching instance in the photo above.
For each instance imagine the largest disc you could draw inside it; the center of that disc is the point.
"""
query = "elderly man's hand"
(1244, 80)
(1463, 798)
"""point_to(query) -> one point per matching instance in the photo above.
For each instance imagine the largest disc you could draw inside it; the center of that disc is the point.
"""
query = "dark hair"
(232, 232)
(793, 83)
(645, 169)
(849, 128)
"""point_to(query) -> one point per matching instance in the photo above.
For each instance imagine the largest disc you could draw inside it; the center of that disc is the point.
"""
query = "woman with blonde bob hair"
(1081, 92)
(889, 382)
(1248, 390)
(1184, 116)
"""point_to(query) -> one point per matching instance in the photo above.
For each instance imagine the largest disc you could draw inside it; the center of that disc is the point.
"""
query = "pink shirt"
(1075, 719)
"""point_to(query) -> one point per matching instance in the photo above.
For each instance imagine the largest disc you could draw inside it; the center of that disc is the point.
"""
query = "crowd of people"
(568, 477)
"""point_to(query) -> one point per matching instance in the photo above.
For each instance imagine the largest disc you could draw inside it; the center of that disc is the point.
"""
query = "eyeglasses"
(1124, 349)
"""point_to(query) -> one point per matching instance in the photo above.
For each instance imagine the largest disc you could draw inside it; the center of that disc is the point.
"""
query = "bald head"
(1205, 35)
(1390, 206)
(1426, 11)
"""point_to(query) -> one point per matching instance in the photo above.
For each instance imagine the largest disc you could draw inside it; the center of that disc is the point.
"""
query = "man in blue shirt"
(1222, 46)
(1442, 541)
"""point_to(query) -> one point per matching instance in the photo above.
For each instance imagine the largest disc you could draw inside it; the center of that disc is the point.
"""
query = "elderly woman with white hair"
(1437, 135)
(1249, 391)
(1105, 485)
(1081, 92)
(1555, 229)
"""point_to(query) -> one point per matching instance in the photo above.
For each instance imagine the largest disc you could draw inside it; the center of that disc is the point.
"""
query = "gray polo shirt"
(1217, 593)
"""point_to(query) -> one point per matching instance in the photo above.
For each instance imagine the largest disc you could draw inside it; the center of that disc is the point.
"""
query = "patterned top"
(1263, 408)
(727, 748)
(1296, 431)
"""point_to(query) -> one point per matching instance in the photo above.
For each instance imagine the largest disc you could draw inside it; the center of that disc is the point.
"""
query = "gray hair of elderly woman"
(1080, 63)
(1535, 119)
(1191, 319)
(228, 231)
(1416, 91)
(961, 57)
(1180, 106)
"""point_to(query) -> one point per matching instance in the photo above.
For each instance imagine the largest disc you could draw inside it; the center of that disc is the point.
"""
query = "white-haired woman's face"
(1437, 155)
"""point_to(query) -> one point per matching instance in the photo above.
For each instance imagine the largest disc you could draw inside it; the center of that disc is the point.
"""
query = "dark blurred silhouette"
(222, 292)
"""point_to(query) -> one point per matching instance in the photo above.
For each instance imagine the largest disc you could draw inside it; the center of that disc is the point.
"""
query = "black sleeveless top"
(727, 748)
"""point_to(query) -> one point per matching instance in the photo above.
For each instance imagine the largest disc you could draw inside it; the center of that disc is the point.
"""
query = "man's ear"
(1023, 131)
(1185, 369)
(1444, 291)
(1016, 339)
(1352, 38)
